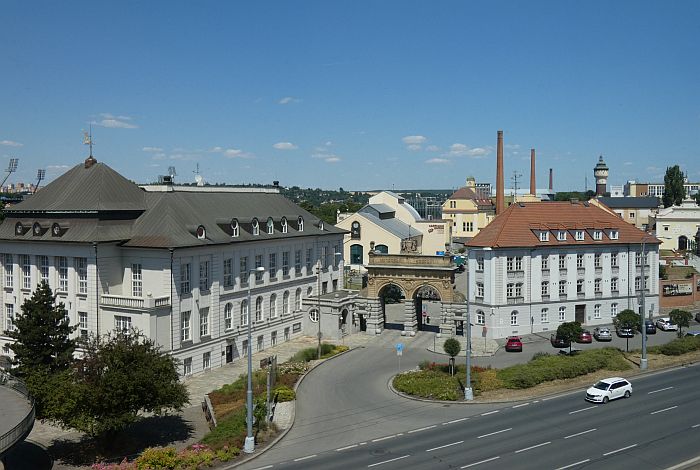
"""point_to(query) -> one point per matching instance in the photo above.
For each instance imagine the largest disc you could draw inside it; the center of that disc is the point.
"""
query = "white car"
(666, 325)
(609, 389)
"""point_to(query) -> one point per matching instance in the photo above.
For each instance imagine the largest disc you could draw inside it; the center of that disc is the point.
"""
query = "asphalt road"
(658, 427)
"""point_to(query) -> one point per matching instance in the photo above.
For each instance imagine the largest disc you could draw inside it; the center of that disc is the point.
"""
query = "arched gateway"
(422, 279)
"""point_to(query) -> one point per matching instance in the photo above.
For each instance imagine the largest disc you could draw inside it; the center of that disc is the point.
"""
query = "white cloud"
(289, 100)
(628, 163)
(10, 143)
(332, 159)
(414, 140)
(414, 147)
(233, 153)
(432, 148)
(511, 146)
(285, 146)
(152, 149)
(216, 149)
(115, 122)
(158, 156)
(437, 161)
(479, 152)
(461, 150)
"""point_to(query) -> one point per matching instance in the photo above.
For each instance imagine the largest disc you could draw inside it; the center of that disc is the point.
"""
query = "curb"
(280, 436)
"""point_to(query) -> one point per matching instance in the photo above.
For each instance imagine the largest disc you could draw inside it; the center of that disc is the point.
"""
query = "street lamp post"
(249, 446)
(318, 306)
(643, 363)
(468, 392)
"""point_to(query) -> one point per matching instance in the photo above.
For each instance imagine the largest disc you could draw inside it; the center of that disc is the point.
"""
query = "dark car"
(625, 332)
(585, 337)
(559, 342)
(697, 317)
(514, 344)
(650, 327)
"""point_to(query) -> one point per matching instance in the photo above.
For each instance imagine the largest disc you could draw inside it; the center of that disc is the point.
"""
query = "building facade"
(175, 263)
(541, 264)
(676, 226)
(634, 210)
(469, 209)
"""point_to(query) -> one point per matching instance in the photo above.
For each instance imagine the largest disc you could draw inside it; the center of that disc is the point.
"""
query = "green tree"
(628, 319)
(696, 196)
(674, 191)
(452, 348)
(570, 331)
(119, 377)
(681, 318)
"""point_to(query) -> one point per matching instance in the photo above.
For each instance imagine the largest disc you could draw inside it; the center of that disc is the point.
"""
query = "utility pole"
(516, 176)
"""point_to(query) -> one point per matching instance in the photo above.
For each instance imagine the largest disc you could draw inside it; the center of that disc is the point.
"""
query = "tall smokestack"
(533, 187)
(551, 180)
(500, 188)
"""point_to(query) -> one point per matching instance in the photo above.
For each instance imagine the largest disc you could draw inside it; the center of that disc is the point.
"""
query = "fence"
(19, 431)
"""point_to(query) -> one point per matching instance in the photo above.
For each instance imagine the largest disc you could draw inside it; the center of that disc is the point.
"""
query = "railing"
(136, 303)
(22, 429)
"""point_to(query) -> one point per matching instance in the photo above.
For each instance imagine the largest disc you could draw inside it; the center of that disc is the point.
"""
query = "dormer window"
(256, 227)
(320, 225)
(561, 235)
(544, 236)
(579, 235)
(597, 234)
(613, 234)
(300, 223)
(201, 232)
(235, 229)
(270, 226)
(284, 225)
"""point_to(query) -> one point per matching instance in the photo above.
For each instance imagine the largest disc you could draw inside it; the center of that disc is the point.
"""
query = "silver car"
(602, 334)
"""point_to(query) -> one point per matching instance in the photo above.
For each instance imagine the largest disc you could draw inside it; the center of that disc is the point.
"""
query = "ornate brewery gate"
(418, 277)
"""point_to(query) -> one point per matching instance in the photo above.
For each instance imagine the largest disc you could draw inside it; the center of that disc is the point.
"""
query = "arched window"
(356, 256)
(313, 315)
(244, 312)
(270, 226)
(273, 306)
(297, 300)
(235, 229)
(480, 317)
(284, 225)
(228, 316)
(309, 291)
(258, 309)
(300, 223)
(514, 318)
(285, 303)
(256, 227)
(381, 249)
(320, 225)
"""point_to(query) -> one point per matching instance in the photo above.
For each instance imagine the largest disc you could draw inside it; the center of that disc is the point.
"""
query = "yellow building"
(469, 209)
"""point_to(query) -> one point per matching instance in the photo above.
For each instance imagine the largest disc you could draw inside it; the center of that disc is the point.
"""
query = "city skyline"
(377, 96)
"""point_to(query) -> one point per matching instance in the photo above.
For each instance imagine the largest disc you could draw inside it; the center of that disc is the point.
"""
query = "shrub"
(297, 368)
(230, 431)
(539, 354)
(285, 393)
(226, 453)
(157, 458)
(310, 354)
(452, 347)
(678, 346)
(428, 384)
(487, 380)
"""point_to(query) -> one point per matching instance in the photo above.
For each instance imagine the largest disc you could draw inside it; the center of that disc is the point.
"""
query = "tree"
(681, 318)
(628, 319)
(117, 378)
(674, 191)
(570, 331)
(696, 196)
(452, 348)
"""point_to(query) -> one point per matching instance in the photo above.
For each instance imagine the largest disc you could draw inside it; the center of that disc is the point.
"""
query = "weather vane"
(87, 139)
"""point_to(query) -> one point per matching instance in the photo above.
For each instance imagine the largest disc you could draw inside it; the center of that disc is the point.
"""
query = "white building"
(676, 226)
(538, 265)
(174, 263)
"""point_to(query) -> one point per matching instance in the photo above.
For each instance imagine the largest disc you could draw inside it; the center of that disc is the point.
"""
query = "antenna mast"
(515, 178)
(87, 139)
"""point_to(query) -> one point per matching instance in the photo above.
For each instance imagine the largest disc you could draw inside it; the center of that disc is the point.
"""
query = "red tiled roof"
(466, 193)
(519, 224)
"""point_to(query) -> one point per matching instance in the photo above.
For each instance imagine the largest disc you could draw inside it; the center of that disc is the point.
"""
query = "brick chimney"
(500, 188)
(551, 180)
(533, 187)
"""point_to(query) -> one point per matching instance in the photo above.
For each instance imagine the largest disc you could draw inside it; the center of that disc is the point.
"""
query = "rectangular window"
(261, 342)
(187, 366)
(62, 263)
(597, 235)
(561, 235)
(43, 263)
(545, 262)
(544, 316)
(81, 268)
(122, 324)
(9, 271)
(479, 289)
(598, 283)
(228, 316)
(309, 262)
(480, 318)
(272, 263)
(545, 288)
(136, 280)
(562, 313)
(185, 275)
(244, 271)
(470, 226)
(244, 348)
(297, 262)
(10, 317)
(206, 360)
(518, 263)
(613, 260)
(83, 324)
(480, 264)
(613, 310)
(562, 287)
(273, 338)
(596, 311)
(579, 286)
(579, 260)
(185, 326)
(228, 272)
(638, 259)
(285, 263)
(258, 264)
(562, 261)
(203, 322)
(509, 263)
(596, 260)
(579, 235)
(637, 283)
(324, 256)
(324, 287)
(204, 276)
(544, 236)
(518, 290)
(26, 271)
(510, 290)
(613, 284)
(514, 319)
(613, 234)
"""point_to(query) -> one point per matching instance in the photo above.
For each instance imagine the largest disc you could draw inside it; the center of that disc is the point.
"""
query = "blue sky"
(353, 94)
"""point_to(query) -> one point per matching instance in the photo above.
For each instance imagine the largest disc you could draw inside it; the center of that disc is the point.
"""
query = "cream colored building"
(676, 226)
(634, 210)
(469, 209)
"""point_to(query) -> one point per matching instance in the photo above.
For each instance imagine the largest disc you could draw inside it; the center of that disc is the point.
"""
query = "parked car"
(650, 327)
(666, 325)
(559, 342)
(692, 333)
(585, 337)
(625, 332)
(697, 316)
(514, 344)
(602, 334)
(609, 389)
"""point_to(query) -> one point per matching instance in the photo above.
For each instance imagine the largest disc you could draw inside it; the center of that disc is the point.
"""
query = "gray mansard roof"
(97, 204)
(630, 202)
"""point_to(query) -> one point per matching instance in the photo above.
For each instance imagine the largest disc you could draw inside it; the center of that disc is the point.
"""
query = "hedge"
(677, 346)
(428, 384)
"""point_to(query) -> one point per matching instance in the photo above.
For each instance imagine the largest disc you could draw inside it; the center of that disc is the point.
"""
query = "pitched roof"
(393, 225)
(519, 226)
(647, 202)
(470, 194)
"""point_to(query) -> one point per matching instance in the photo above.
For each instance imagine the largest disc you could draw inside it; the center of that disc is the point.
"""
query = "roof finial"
(87, 140)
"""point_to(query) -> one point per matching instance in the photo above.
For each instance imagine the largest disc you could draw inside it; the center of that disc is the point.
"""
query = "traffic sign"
(399, 349)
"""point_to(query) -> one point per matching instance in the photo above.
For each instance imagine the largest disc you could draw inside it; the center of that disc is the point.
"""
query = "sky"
(354, 94)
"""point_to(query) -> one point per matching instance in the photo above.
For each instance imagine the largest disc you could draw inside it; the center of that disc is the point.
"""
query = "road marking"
(480, 462)
(665, 409)
(421, 429)
(580, 433)
(346, 448)
(555, 396)
(456, 420)
(533, 447)
(390, 460)
(574, 464)
(582, 409)
(384, 438)
(619, 450)
(446, 445)
(684, 464)
(522, 404)
(695, 426)
(659, 390)
(490, 412)
(263, 468)
(492, 433)
(305, 458)
(363, 443)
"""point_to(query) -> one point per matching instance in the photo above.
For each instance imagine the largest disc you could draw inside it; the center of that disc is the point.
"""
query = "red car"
(585, 337)
(513, 343)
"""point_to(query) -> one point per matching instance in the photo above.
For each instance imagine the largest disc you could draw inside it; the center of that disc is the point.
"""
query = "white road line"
(421, 429)
(363, 443)
(457, 420)
(481, 461)
(522, 404)
(659, 390)
(695, 426)
(346, 448)
(580, 433)
(305, 458)
(619, 450)
(390, 460)
(490, 412)
(533, 447)
(446, 445)
(384, 438)
(492, 433)
(552, 398)
(574, 464)
(665, 409)
(582, 409)
(263, 468)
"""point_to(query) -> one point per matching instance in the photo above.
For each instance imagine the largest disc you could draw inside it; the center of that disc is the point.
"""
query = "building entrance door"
(229, 353)
(581, 313)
